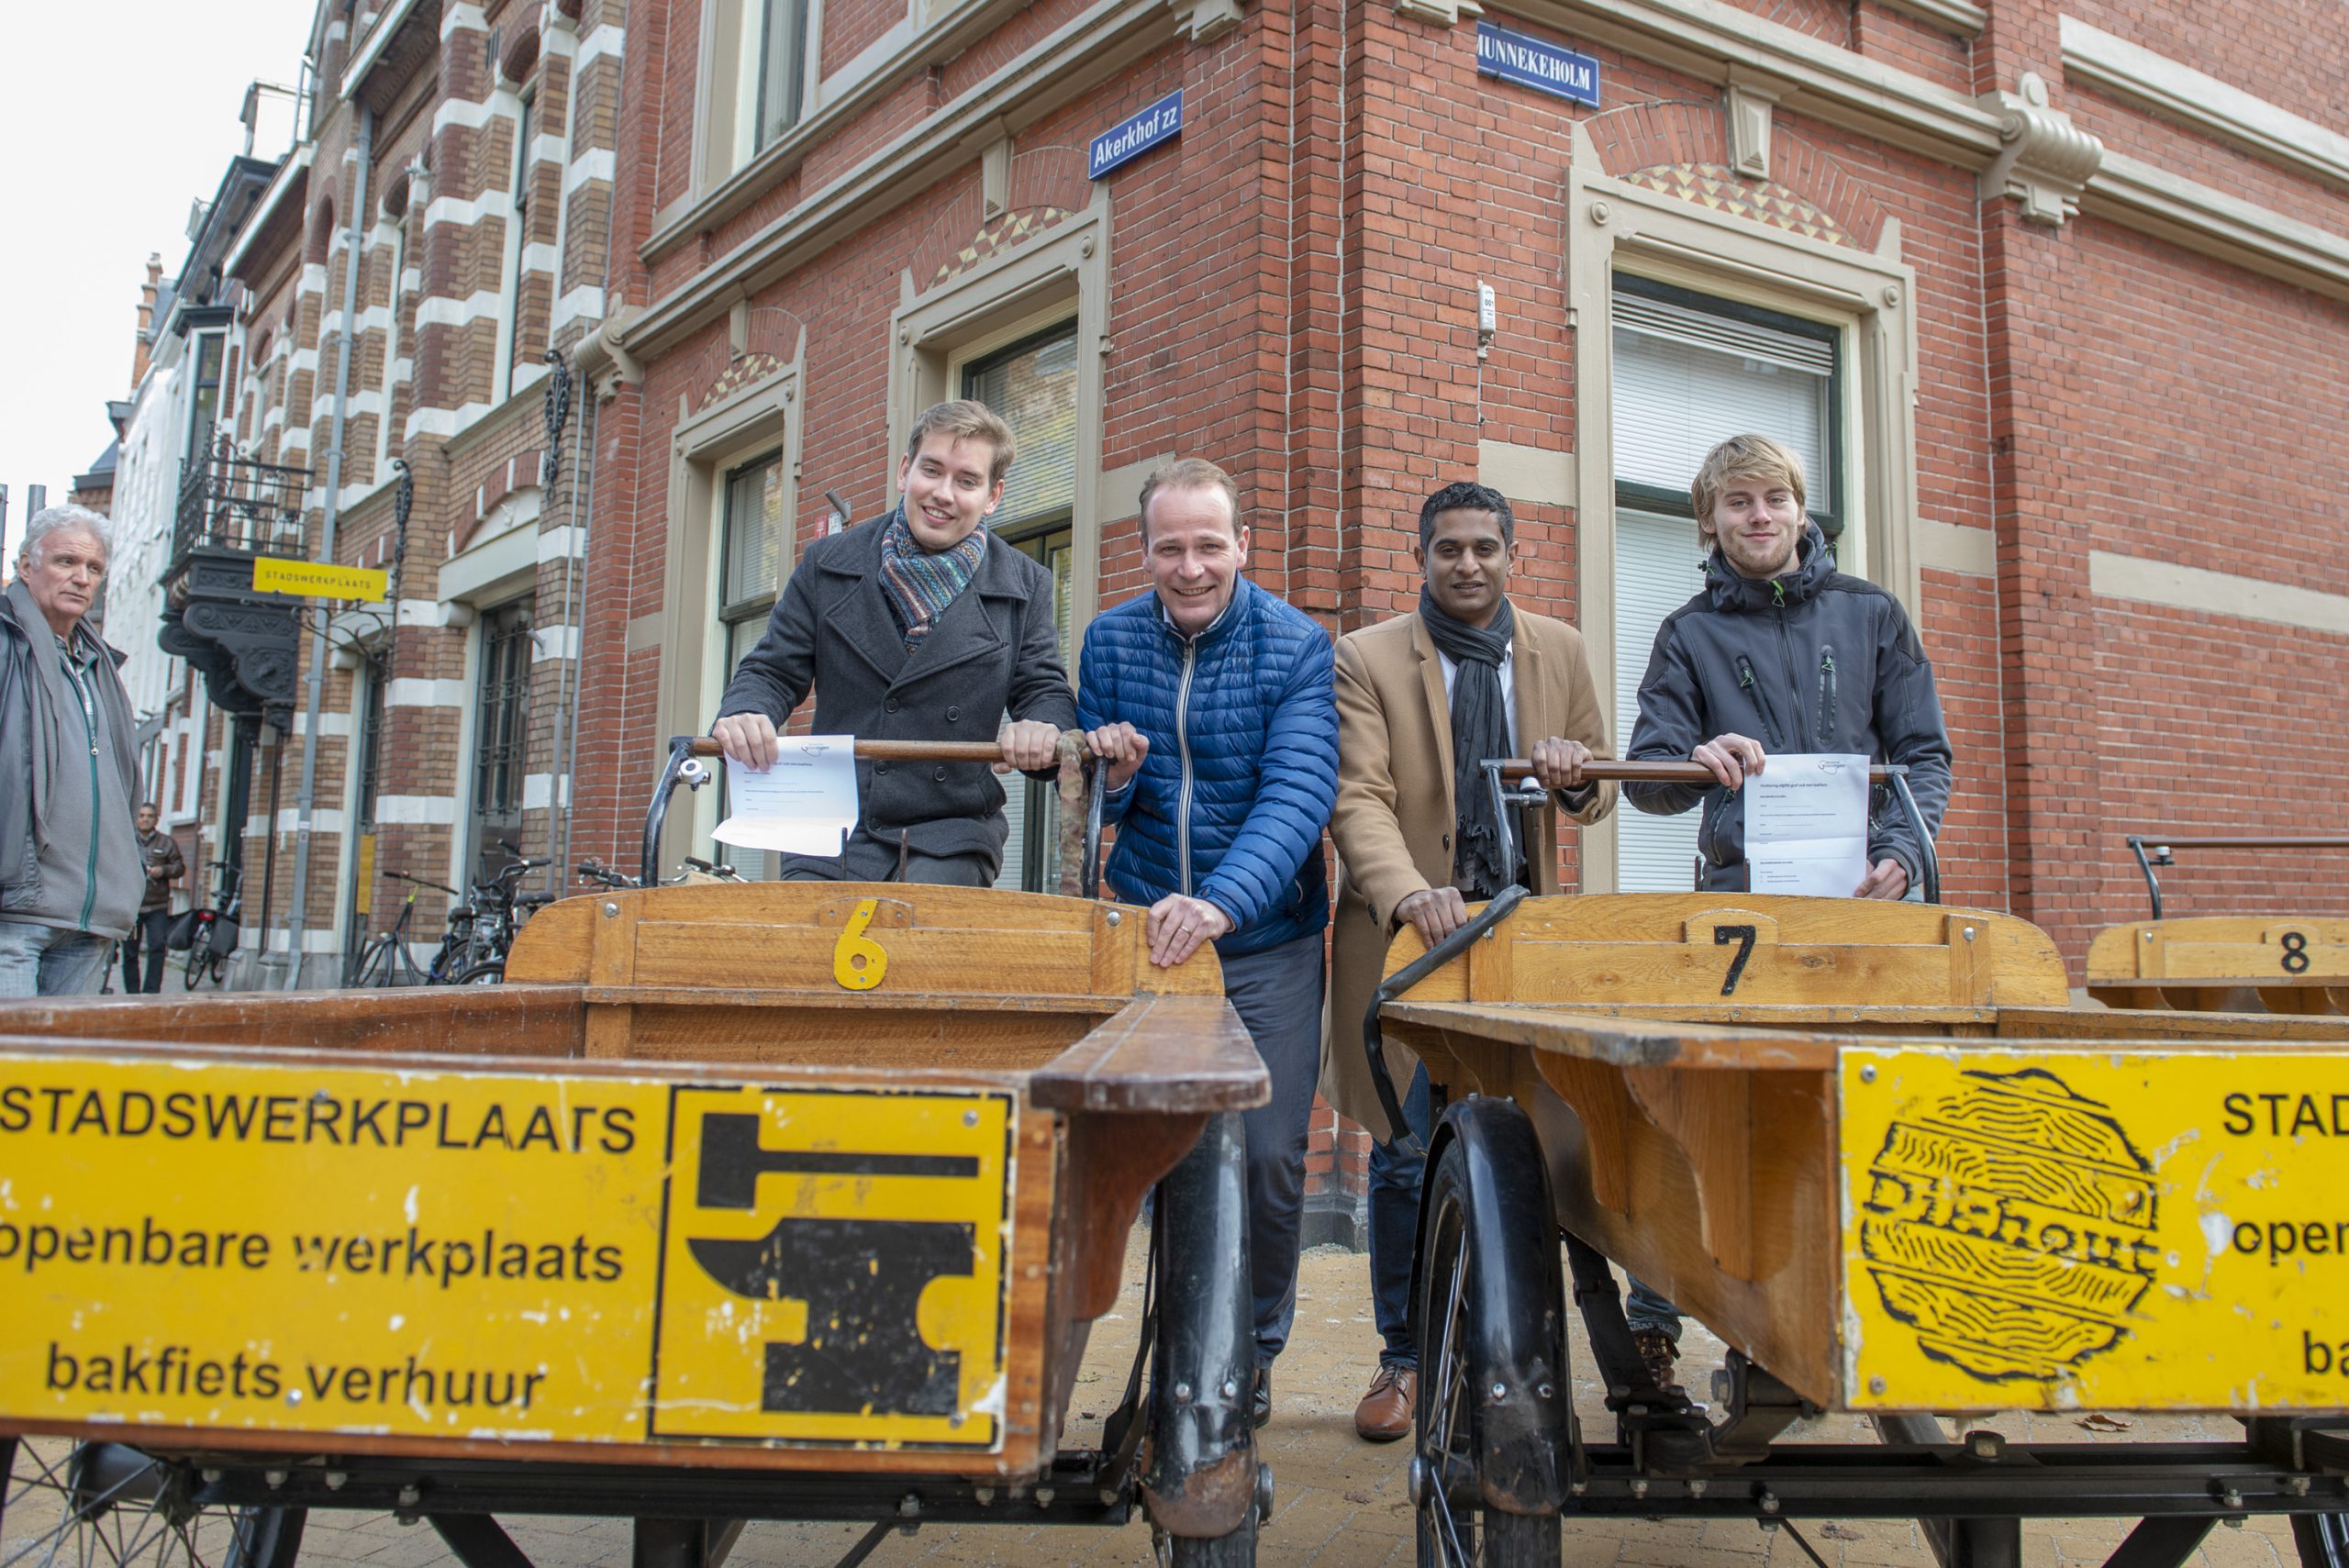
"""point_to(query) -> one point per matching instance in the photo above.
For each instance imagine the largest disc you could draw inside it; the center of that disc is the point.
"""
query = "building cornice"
(370, 53)
(2150, 80)
(1089, 49)
(950, 33)
(1956, 18)
(1705, 37)
(292, 173)
(2153, 201)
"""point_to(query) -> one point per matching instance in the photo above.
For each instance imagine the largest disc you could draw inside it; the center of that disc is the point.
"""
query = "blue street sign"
(1129, 139)
(1531, 62)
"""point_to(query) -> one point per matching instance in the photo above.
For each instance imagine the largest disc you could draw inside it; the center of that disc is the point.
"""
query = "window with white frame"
(757, 71)
(517, 245)
(205, 352)
(1689, 371)
(750, 572)
(501, 736)
(1032, 384)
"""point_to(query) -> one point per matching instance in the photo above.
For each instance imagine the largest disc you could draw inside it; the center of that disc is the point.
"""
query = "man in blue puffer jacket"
(1212, 704)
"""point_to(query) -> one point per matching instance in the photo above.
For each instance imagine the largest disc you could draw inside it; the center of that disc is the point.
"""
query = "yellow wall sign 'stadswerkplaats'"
(317, 580)
(600, 1260)
(2095, 1230)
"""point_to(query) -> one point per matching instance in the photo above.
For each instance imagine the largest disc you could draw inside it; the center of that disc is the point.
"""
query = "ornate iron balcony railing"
(231, 503)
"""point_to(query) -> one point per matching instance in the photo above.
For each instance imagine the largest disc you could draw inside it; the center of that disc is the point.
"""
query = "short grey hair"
(65, 518)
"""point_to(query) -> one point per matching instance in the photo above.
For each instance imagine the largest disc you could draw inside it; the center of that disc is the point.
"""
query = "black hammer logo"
(861, 1279)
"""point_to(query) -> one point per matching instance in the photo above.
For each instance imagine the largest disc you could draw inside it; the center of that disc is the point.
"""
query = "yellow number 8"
(857, 962)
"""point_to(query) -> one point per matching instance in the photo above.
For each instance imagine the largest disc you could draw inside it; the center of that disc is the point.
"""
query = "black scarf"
(1479, 730)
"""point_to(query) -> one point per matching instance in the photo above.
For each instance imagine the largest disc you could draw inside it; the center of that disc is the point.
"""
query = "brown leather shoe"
(1660, 1352)
(1384, 1413)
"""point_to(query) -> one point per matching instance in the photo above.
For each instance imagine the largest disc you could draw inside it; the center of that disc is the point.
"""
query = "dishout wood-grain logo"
(2010, 1224)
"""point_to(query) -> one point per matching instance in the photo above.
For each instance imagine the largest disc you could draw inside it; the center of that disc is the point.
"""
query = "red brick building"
(2050, 295)
(395, 307)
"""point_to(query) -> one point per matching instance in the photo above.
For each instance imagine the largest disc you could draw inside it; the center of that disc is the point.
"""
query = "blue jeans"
(1278, 993)
(50, 960)
(1646, 1310)
(1396, 1171)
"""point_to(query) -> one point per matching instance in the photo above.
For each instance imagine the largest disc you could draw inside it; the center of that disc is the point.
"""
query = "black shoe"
(1261, 1405)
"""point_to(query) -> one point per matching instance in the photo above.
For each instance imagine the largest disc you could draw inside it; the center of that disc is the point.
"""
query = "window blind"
(1034, 388)
(1685, 382)
(1657, 567)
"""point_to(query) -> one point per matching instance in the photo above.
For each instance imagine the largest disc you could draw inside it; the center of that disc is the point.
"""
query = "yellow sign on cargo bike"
(483, 1255)
(2080, 1231)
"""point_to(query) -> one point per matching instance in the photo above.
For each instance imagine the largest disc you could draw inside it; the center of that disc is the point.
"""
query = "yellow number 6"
(857, 962)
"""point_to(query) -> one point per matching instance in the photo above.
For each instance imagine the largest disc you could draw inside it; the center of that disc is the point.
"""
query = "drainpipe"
(581, 514)
(306, 802)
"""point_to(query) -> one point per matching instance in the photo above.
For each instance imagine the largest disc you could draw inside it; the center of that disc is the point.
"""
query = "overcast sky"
(133, 117)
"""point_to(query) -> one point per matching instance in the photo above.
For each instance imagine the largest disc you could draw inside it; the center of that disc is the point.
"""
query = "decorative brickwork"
(996, 236)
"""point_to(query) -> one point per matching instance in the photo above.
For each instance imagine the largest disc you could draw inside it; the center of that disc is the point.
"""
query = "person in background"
(1209, 701)
(1423, 699)
(71, 875)
(164, 866)
(918, 625)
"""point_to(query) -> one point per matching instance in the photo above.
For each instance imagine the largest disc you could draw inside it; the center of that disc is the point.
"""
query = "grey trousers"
(1278, 993)
(867, 858)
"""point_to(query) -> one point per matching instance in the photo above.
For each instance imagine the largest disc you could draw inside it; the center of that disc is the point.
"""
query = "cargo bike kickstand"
(788, 1113)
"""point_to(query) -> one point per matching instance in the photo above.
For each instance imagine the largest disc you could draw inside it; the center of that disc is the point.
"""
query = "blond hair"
(1190, 474)
(965, 419)
(1742, 457)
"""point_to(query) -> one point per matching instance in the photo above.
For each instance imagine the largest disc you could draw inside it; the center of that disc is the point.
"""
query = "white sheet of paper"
(1807, 825)
(801, 805)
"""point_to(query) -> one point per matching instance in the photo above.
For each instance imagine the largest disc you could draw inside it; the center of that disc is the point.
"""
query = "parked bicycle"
(212, 932)
(386, 960)
(482, 927)
(602, 875)
(692, 869)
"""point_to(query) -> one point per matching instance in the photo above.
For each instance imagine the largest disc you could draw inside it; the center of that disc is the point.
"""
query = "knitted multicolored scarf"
(920, 584)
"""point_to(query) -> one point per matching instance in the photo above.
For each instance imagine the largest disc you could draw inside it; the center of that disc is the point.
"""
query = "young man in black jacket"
(916, 626)
(1782, 652)
(1779, 652)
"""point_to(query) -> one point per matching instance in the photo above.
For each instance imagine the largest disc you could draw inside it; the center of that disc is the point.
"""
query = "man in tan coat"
(1422, 699)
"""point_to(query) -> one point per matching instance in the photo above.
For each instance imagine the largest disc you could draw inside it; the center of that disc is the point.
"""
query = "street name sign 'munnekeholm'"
(1534, 63)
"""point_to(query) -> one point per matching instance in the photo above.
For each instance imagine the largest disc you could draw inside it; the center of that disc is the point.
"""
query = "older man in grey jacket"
(71, 875)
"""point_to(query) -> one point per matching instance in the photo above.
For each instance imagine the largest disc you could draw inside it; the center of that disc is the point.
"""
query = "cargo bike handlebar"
(1500, 774)
(688, 765)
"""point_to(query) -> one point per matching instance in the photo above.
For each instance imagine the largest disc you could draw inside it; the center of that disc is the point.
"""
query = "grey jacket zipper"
(1183, 745)
(1826, 695)
(1793, 682)
(90, 733)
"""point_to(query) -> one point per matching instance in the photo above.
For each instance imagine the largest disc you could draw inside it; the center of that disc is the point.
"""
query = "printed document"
(801, 805)
(1807, 825)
